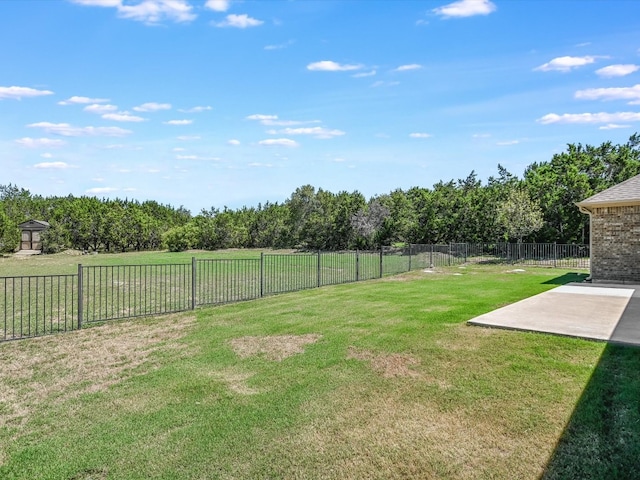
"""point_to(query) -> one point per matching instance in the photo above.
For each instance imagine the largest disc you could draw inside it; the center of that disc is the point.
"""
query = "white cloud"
(233, 142)
(178, 122)
(46, 155)
(75, 100)
(187, 138)
(178, 149)
(406, 68)
(420, 135)
(152, 107)
(465, 8)
(100, 190)
(156, 11)
(239, 21)
(261, 165)
(318, 132)
(67, 130)
(601, 117)
(259, 116)
(613, 126)
(100, 109)
(18, 93)
(331, 66)
(565, 64)
(278, 142)
(122, 117)
(287, 123)
(619, 70)
(218, 5)
(381, 83)
(615, 93)
(274, 121)
(364, 74)
(481, 135)
(148, 11)
(279, 46)
(52, 165)
(197, 109)
(40, 142)
(508, 142)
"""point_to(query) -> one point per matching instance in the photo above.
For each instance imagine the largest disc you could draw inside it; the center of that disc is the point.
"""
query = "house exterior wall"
(615, 244)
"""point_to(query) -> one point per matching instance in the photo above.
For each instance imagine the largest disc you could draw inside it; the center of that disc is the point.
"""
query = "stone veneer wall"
(615, 244)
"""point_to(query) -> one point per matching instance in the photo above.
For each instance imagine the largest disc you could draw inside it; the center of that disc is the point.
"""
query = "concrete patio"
(604, 312)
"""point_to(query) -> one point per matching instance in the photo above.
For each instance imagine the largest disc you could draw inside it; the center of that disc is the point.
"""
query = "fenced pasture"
(32, 306)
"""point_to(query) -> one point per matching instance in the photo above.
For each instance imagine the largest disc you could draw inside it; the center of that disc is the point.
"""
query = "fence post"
(381, 254)
(555, 254)
(409, 257)
(449, 253)
(193, 283)
(357, 266)
(431, 257)
(80, 296)
(466, 252)
(261, 274)
(319, 270)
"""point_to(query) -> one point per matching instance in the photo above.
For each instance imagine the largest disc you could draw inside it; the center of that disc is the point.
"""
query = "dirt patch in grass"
(273, 347)
(387, 365)
(237, 381)
(57, 368)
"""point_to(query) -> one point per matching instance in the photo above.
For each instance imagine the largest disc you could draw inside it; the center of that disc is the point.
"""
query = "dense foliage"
(453, 211)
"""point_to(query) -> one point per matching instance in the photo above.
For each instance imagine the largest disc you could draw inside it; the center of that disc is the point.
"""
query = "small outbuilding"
(615, 232)
(31, 234)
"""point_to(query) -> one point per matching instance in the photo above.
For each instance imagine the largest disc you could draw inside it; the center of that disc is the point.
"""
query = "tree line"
(539, 207)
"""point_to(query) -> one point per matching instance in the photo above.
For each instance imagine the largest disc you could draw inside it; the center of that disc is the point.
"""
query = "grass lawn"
(67, 262)
(375, 380)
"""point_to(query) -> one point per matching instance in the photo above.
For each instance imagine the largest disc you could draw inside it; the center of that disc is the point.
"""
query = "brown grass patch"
(376, 435)
(464, 337)
(274, 347)
(387, 365)
(54, 369)
(237, 381)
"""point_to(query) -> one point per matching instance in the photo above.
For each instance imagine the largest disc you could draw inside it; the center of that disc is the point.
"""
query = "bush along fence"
(32, 306)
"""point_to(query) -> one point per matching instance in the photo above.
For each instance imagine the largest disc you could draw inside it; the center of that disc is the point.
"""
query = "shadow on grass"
(602, 438)
(567, 278)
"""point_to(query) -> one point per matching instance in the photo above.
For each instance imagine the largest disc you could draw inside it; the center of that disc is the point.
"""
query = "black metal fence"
(31, 306)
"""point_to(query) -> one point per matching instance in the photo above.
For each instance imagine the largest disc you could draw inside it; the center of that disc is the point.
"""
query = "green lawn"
(66, 263)
(381, 379)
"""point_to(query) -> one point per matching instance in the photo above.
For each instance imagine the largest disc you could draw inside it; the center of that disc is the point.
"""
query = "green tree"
(9, 233)
(181, 238)
(519, 215)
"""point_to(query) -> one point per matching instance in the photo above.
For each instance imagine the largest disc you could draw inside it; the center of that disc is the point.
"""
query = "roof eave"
(603, 204)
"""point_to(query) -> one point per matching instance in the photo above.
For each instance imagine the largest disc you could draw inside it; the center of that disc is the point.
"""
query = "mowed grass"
(67, 262)
(376, 380)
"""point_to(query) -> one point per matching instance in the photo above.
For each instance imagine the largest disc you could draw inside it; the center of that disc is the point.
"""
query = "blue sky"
(212, 103)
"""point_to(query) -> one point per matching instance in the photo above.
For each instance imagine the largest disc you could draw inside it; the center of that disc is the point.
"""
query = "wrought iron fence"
(40, 305)
(124, 291)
